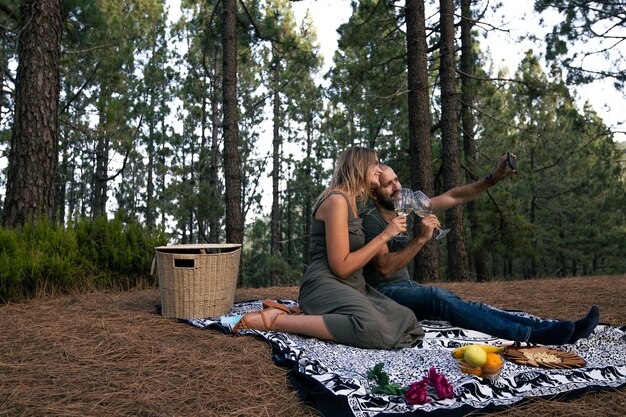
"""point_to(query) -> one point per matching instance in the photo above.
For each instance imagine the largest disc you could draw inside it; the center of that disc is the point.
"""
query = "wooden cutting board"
(543, 357)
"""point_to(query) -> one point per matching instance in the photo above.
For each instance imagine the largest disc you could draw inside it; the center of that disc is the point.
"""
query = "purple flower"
(417, 393)
(441, 384)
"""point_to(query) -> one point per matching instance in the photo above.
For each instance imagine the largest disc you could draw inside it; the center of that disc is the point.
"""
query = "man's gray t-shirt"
(373, 225)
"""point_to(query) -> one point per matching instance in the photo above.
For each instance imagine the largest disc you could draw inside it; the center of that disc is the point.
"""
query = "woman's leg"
(312, 326)
(278, 320)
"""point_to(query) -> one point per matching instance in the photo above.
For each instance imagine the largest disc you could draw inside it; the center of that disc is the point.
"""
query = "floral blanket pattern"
(334, 376)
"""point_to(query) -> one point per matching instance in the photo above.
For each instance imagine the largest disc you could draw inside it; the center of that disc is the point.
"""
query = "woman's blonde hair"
(351, 173)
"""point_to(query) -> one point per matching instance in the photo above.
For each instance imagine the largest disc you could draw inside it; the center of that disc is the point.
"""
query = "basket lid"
(194, 247)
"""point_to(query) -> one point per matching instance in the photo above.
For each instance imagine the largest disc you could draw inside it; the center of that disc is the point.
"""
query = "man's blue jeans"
(436, 303)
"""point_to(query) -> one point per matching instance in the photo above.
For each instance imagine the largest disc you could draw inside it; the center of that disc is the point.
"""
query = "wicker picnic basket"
(197, 281)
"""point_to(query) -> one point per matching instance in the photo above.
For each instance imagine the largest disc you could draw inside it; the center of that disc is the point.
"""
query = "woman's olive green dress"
(354, 312)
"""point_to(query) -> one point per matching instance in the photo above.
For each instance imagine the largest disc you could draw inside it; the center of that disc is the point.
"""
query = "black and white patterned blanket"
(334, 376)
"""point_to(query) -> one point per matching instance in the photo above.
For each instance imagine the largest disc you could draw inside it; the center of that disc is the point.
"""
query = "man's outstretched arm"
(465, 193)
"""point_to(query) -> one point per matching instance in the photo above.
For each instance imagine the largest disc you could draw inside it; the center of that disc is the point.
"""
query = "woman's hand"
(343, 263)
(396, 226)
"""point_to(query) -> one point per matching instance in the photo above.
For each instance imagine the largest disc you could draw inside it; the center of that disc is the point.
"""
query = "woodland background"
(121, 130)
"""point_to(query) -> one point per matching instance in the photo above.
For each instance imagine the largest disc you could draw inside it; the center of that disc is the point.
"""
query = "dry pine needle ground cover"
(112, 354)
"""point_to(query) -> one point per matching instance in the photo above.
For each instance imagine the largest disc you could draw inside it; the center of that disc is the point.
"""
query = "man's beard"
(385, 202)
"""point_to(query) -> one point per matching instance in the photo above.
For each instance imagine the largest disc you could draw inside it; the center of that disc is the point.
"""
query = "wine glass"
(423, 207)
(403, 205)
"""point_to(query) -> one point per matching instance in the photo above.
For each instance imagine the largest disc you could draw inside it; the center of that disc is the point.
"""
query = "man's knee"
(442, 293)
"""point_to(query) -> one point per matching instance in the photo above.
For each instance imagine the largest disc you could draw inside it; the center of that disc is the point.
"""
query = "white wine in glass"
(422, 213)
(403, 206)
(422, 206)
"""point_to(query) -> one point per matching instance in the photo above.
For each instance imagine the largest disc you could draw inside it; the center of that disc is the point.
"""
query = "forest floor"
(112, 354)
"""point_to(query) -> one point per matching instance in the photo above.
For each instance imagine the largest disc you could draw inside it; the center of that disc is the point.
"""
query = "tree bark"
(306, 209)
(162, 177)
(203, 163)
(457, 254)
(101, 177)
(4, 69)
(214, 182)
(33, 155)
(426, 264)
(62, 181)
(232, 166)
(150, 212)
(150, 150)
(275, 221)
(533, 219)
(468, 91)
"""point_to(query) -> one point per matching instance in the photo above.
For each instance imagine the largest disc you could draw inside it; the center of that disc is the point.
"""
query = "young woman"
(338, 305)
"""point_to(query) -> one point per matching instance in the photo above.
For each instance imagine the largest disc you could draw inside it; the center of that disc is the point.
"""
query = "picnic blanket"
(334, 376)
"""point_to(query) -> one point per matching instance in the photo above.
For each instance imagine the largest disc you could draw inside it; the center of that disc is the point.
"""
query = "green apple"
(475, 355)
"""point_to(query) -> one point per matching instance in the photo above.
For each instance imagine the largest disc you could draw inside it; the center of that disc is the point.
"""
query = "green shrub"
(10, 277)
(45, 259)
(258, 270)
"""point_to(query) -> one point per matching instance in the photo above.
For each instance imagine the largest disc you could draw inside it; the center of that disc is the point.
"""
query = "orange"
(493, 360)
(492, 366)
(470, 369)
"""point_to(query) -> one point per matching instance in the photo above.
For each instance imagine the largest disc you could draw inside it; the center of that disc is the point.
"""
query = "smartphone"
(511, 161)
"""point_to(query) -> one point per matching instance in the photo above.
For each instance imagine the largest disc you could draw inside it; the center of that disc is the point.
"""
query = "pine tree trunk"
(150, 212)
(214, 184)
(479, 256)
(306, 209)
(289, 232)
(457, 254)
(84, 199)
(33, 155)
(275, 222)
(150, 149)
(203, 163)
(535, 240)
(426, 265)
(63, 179)
(190, 222)
(4, 69)
(162, 201)
(72, 200)
(232, 166)
(101, 175)
(150, 181)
